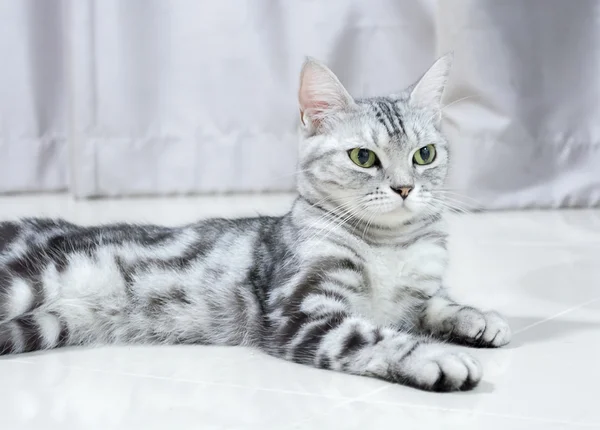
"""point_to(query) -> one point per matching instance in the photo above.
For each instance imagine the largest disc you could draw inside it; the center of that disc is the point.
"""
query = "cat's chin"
(395, 217)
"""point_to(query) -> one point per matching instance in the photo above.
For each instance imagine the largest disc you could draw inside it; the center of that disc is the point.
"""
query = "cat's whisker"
(457, 195)
(367, 224)
(454, 202)
(452, 208)
(459, 100)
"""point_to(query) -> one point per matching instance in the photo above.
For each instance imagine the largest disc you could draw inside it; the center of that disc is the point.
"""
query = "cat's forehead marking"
(386, 112)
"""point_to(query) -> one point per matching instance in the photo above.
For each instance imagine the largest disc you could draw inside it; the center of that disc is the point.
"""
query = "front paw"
(435, 367)
(474, 327)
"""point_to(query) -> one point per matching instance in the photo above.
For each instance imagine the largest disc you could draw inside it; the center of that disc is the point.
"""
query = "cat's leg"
(338, 341)
(464, 324)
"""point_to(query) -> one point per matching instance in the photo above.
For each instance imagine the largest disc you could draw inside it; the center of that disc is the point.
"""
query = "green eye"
(363, 157)
(425, 155)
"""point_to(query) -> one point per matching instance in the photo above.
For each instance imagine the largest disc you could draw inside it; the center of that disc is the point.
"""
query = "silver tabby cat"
(351, 279)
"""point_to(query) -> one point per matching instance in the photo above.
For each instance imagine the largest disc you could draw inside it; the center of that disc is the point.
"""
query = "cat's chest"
(399, 277)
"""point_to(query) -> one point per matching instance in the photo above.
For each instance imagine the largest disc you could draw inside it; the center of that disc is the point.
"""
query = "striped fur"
(351, 279)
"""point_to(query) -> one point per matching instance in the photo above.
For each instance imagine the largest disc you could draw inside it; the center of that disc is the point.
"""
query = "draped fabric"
(115, 97)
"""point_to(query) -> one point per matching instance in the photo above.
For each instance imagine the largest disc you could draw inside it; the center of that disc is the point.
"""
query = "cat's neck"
(320, 215)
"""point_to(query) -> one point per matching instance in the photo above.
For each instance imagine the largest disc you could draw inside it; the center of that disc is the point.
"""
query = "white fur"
(20, 298)
(49, 329)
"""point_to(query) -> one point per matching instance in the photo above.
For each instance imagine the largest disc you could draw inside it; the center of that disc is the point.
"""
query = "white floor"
(541, 269)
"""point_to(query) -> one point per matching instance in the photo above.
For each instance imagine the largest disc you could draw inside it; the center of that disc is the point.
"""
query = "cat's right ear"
(321, 95)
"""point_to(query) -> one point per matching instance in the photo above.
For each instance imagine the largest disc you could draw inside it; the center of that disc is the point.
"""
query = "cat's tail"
(32, 332)
(25, 325)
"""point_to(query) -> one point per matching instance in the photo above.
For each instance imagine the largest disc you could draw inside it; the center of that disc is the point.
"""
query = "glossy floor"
(541, 269)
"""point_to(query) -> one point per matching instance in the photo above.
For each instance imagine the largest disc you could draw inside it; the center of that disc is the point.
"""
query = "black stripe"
(443, 242)
(192, 338)
(324, 362)
(313, 278)
(5, 290)
(255, 281)
(310, 284)
(385, 108)
(425, 221)
(398, 117)
(291, 327)
(442, 384)
(353, 342)
(63, 336)
(437, 236)
(6, 341)
(127, 273)
(306, 350)
(9, 231)
(155, 304)
(314, 205)
(403, 378)
(30, 332)
(334, 294)
(415, 292)
(347, 248)
(199, 249)
(268, 261)
(307, 163)
(391, 117)
(409, 352)
(379, 115)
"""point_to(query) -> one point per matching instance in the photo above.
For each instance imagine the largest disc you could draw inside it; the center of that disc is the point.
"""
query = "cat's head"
(380, 159)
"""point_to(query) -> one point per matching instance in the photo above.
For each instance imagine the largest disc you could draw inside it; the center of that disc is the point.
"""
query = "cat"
(350, 279)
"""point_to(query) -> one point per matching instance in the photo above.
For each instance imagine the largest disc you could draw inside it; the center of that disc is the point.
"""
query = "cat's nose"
(403, 190)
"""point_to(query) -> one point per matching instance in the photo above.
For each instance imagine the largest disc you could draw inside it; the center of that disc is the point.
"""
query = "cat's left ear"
(428, 91)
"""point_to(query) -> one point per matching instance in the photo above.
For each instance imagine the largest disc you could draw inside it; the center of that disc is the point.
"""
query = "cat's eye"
(425, 155)
(363, 157)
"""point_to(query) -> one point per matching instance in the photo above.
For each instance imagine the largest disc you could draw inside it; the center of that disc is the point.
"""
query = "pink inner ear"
(318, 106)
(320, 94)
(310, 100)
(314, 108)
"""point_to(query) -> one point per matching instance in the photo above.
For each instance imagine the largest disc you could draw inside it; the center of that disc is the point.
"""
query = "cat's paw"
(435, 367)
(474, 327)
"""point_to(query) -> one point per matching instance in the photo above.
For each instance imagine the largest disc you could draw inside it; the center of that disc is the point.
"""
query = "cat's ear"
(321, 95)
(428, 91)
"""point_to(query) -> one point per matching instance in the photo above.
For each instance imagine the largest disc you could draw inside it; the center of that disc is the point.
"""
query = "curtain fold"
(527, 133)
(113, 97)
(33, 109)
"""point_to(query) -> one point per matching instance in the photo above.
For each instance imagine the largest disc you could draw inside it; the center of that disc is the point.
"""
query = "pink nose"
(403, 190)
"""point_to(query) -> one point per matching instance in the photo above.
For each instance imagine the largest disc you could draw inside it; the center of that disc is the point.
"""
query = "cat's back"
(53, 240)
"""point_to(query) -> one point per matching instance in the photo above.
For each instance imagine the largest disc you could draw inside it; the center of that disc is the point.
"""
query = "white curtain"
(121, 97)
(529, 133)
